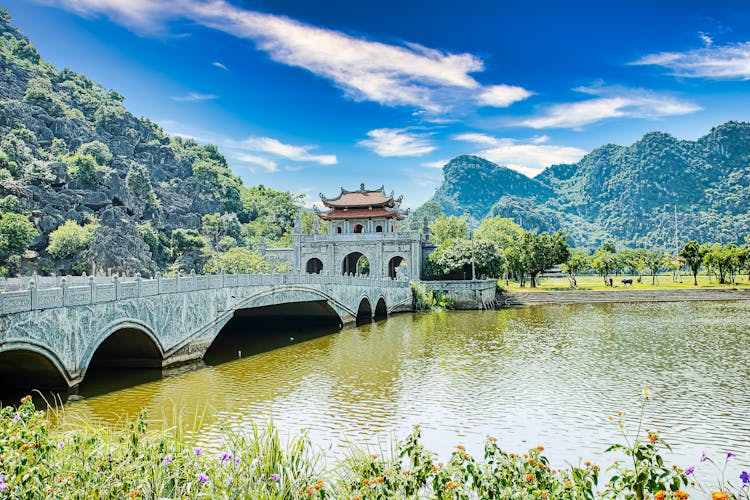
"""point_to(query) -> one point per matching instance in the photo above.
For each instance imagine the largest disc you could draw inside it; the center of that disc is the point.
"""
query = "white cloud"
(724, 62)
(219, 65)
(276, 147)
(610, 102)
(435, 164)
(528, 158)
(397, 142)
(393, 75)
(265, 163)
(194, 97)
(502, 96)
(706, 38)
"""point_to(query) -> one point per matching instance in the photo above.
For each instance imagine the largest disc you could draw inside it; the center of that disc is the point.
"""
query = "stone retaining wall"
(610, 296)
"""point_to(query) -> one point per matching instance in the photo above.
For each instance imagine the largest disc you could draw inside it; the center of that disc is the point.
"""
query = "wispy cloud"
(610, 102)
(276, 147)
(194, 97)
(528, 158)
(716, 62)
(265, 163)
(397, 142)
(394, 75)
(220, 65)
(435, 164)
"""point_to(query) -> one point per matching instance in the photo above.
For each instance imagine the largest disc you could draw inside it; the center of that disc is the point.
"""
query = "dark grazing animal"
(627, 281)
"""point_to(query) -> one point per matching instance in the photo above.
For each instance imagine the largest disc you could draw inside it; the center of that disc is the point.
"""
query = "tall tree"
(692, 253)
(445, 229)
(577, 262)
(542, 251)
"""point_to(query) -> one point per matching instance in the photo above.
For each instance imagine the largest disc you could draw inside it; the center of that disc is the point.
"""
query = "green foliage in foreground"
(39, 462)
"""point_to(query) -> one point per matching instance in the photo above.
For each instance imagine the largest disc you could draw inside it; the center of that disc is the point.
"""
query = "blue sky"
(308, 96)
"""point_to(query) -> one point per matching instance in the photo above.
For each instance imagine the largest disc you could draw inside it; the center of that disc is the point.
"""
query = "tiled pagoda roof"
(362, 198)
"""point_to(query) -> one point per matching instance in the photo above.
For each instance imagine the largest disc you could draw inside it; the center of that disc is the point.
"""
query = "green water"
(546, 375)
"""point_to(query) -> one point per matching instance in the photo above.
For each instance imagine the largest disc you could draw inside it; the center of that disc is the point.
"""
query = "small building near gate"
(363, 238)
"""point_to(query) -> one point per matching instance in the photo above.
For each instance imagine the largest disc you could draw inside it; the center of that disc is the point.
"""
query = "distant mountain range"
(625, 194)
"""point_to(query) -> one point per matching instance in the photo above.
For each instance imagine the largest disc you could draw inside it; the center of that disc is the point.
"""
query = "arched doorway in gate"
(355, 263)
(394, 264)
(314, 266)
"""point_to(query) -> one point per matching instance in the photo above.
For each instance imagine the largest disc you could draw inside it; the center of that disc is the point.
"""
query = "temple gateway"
(363, 238)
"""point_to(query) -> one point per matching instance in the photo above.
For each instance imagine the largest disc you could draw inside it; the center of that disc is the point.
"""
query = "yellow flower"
(681, 495)
(720, 495)
(646, 392)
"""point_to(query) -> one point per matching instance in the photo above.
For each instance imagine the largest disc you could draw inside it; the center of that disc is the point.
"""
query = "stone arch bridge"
(50, 331)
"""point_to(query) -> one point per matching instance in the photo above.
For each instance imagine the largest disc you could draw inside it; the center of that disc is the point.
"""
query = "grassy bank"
(40, 462)
(595, 282)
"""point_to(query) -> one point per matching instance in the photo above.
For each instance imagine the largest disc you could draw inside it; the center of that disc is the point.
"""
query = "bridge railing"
(36, 292)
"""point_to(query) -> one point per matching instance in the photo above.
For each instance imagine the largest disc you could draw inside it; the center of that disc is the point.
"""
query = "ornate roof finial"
(362, 186)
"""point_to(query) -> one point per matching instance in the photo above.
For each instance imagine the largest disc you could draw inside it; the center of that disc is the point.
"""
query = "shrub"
(238, 260)
(39, 93)
(139, 182)
(70, 239)
(83, 168)
(16, 232)
(98, 150)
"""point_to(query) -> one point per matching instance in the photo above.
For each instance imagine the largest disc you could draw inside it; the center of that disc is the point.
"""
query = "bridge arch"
(314, 266)
(356, 263)
(381, 309)
(25, 366)
(126, 343)
(364, 311)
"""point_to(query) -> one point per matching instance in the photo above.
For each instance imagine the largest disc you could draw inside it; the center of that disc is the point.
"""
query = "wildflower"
(225, 457)
(745, 477)
(274, 477)
(166, 460)
(406, 472)
(61, 445)
(202, 478)
(529, 478)
(262, 478)
(704, 457)
(540, 448)
(237, 460)
(26, 398)
(568, 484)
(596, 468)
(15, 419)
(660, 495)
(3, 484)
(681, 495)
(451, 485)
(198, 451)
(646, 392)
(531, 461)
(379, 479)
(255, 462)
(135, 493)
(730, 455)
(587, 463)
(460, 447)
(652, 437)
(720, 495)
(689, 471)
(544, 494)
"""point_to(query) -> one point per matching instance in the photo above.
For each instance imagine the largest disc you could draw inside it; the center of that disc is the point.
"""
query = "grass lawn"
(595, 282)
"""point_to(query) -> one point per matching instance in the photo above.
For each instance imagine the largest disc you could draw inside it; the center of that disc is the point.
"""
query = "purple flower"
(730, 455)
(3, 486)
(202, 478)
(166, 460)
(262, 479)
(15, 419)
(689, 471)
(198, 451)
(745, 477)
(61, 445)
(237, 460)
(274, 477)
(704, 457)
(225, 457)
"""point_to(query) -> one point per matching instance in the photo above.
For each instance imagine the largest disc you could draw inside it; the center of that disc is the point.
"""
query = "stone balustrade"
(53, 292)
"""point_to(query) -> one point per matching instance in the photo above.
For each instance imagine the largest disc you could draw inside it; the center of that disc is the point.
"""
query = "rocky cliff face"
(626, 194)
(69, 150)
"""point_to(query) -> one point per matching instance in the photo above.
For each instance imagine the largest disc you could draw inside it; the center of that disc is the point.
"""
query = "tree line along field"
(664, 281)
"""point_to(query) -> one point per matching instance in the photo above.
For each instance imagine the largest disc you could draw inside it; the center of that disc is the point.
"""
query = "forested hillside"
(626, 194)
(87, 186)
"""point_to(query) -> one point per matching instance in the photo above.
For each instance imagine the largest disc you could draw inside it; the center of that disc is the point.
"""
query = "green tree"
(138, 180)
(16, 232)
(446, 229)
(542, 251)
(604, 262)
(503, 231)
(577, 262)
(98, 150)
(83, 168)
(692, 253)
(453, 259)
(656, 262)
(184, 241)
(70, 239)
(238, 260)
(39, 93)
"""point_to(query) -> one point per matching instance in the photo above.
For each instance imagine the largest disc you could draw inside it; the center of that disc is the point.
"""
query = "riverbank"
(535, 297)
